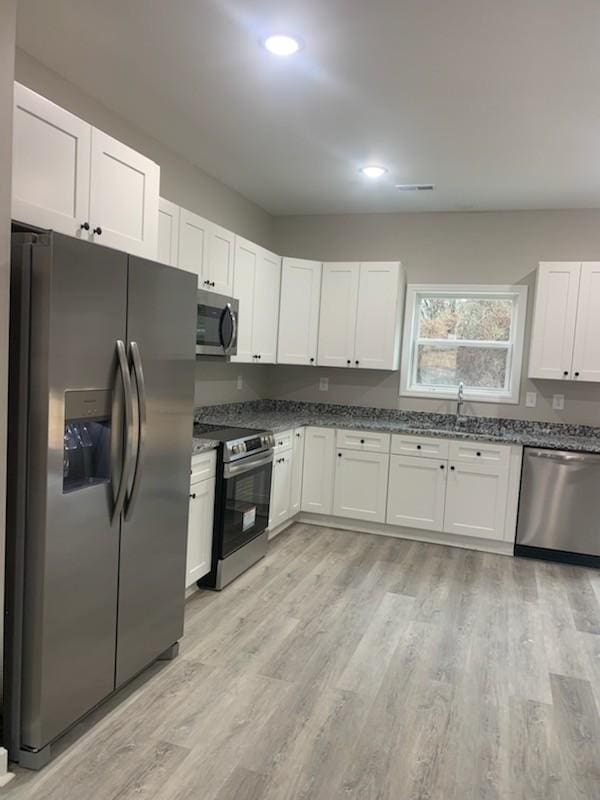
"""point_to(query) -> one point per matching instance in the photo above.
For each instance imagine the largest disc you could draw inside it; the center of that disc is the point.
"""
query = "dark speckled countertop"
(203, 446)
(279, 415)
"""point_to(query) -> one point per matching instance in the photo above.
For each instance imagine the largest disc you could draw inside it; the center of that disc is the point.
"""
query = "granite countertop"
(203, 445)
(279, 415)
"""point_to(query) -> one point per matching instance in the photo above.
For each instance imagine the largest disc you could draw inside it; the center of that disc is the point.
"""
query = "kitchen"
(390, 389)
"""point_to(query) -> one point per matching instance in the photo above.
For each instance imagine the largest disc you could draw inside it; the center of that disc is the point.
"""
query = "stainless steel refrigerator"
(100, 433)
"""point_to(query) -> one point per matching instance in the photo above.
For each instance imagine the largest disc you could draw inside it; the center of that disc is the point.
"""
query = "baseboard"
(280, 528)
(431, 537)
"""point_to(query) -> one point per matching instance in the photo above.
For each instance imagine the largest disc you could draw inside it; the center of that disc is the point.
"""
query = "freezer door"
(77, 314)
(161, 335)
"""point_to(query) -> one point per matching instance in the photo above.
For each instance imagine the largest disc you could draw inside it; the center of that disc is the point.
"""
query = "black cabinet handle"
(298, 435)
(478, 453)
(348, 361)
(576, 374)
(441, 466)
(357, 363)
(339, 455)
(362, 441)
(418, 447)
(193, 496)
(566, 372)
(452, 468)
(212, 283)
(312, 361)
(97, 231)
(85, 226)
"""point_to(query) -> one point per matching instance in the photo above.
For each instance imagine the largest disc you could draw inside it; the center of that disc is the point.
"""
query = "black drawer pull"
(193, 496)
(452, 468)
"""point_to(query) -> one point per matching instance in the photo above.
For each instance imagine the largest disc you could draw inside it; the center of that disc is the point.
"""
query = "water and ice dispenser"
(86, 452)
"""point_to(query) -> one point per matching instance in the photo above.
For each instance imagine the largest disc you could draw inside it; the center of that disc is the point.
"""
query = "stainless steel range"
(243, 490)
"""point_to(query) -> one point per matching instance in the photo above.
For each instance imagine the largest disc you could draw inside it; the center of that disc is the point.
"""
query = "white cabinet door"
(337, 319)
(200, 530)
(281, 489)
(299, 311)
(51, 165)
(360, 485)
(379, 315)
(317, 473)
(586, 352)
(219, 260)
(416, 492)
(124, 189)
(476, 499)
(193, 243)
(297, 464)
(168, 232)
(266, 307)
(247, 256)
(553, 332)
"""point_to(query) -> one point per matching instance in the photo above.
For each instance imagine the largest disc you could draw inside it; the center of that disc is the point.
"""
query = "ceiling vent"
(415, 187)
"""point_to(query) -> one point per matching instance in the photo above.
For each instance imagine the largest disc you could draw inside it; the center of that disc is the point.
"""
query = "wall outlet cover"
(324, 384)
(531, 399)
(240, 382)
(558, 402)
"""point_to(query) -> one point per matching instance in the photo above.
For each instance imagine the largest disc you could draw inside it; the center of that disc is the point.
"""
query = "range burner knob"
(239, 447)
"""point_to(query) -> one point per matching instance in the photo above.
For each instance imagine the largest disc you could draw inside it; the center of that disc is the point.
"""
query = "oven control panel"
(239, 448)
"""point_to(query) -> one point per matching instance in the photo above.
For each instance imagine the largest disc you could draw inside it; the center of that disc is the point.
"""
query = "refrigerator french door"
(101, 396)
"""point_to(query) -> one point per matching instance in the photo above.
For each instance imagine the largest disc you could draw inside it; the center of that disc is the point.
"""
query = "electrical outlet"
(531, 399)
(558, 402)
(324, 384)
(240, 383)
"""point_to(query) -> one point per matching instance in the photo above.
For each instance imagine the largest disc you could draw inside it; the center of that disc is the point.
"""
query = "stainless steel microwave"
(216, 324)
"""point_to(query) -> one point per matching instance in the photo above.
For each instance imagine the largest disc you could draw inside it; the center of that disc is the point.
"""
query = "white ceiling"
(496, 103)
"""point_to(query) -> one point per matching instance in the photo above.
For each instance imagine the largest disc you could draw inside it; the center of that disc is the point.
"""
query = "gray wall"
(216, 382)
(180, 181)
(7, 58)
(491, 247)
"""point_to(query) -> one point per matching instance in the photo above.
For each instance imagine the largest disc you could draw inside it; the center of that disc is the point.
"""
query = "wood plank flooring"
(347, 665)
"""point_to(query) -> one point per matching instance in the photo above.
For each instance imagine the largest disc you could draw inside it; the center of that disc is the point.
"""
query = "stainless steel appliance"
(101, 402)
(559, 507)
(216, 325)
(242, 496)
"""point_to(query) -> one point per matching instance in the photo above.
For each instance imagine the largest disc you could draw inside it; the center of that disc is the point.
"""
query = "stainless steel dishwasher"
(559, 507)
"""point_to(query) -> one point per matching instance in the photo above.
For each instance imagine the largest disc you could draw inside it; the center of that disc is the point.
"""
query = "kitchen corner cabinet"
(256, 284)
(318, 470)
(361, 480)
(565, 339)
(200, 520)
(77, 180)
(168, 232)
(299, 311)
(361, 315)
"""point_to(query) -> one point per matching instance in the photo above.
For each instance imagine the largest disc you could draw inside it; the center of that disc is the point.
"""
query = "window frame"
(511, 393)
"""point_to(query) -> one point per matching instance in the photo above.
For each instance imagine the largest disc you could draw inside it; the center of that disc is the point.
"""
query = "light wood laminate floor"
(347, 665)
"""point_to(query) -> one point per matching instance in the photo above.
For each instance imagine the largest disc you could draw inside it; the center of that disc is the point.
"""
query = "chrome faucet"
(460, 401)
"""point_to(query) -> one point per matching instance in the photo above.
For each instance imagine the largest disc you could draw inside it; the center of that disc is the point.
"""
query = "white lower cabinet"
(416, 492)
(297, 463)
(200, 530)
(360, 485)
(281, 486)
(317, 474)
(476, 500)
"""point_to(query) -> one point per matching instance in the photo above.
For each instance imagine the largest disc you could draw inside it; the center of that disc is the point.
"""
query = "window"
(472, 334)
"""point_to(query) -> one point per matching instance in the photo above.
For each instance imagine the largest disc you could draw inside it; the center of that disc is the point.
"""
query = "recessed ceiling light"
(281, 44)
(373, 171)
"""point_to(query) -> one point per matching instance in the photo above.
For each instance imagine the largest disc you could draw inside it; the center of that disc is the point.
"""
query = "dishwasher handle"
(564, 456)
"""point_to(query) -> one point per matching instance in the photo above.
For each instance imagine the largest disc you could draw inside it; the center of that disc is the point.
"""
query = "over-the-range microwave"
(216, 325)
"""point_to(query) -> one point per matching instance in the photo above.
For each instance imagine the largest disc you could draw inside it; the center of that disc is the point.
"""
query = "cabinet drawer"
(203, 466)
(419, 446)
(363, 440)
(479, 452)
(283, 441)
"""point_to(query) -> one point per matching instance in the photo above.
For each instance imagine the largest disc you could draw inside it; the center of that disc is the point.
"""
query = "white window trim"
(512, 392)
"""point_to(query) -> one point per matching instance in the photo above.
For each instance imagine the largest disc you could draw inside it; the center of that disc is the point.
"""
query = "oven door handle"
(247, 465)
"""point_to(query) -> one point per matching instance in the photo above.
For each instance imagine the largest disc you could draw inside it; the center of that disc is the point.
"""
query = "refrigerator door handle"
(138, 372)
(128, 400)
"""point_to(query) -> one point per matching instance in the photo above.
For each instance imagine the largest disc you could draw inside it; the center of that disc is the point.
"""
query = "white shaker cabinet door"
(193, 243)
(416, 492)
(317, 475)
(247, 256)
(476, 500)
(337, 319)
(379, 315)
(124, 189)
(168, 232)
(299, 311)
(281, 489)
(297, 464)
(554, 319)
(200, 530)
(51, 165)
(266, 307)
(219, 260)
(586, 352)
(360, 485)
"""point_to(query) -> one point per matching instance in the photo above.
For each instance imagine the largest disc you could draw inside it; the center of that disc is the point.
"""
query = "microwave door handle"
(229, 346)
(140, 383)
(128, 447)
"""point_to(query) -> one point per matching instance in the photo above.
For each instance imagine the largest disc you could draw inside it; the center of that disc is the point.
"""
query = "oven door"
(247, 491)
(216, 325)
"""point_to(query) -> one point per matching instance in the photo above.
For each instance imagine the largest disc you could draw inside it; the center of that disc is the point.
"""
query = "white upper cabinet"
(124, 189)
(361, 315)
(193, 242)
(256, 283)
(299, 311)
(555, 317)
(379, 315)
(586, 351)
(218, 269)
(337, 319)
(77, 180)
(168, 232)
(51, 165)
